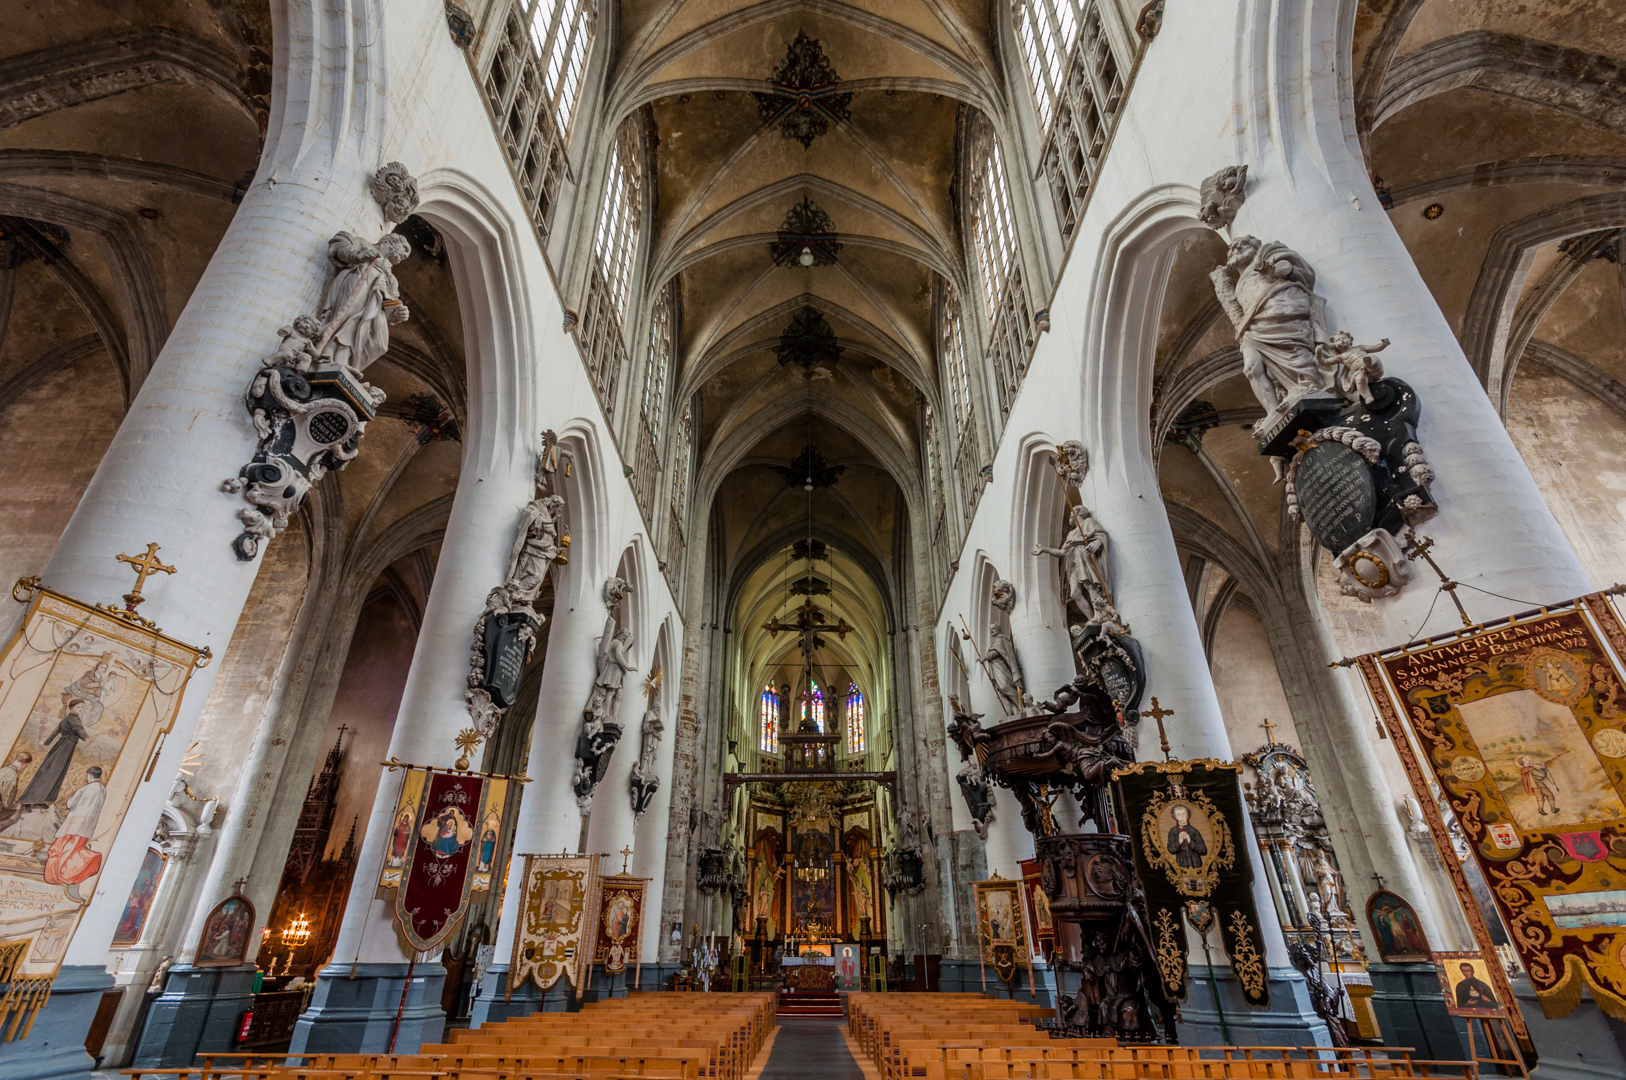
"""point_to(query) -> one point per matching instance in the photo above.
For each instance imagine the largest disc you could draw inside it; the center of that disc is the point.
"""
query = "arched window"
(561, 31)
(993, 252)
(1078, 86)
(615, 250)
(951, 348)
(658, 366)
(855, 719)
(768, 722)
(813, 704)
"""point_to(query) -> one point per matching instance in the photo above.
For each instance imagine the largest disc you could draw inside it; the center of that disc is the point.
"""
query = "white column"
(1151, 595)
(491, 491)
(610, 827)
(549, 821)
(186, 432)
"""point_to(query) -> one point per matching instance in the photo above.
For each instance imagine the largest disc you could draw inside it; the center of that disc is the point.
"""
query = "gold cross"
(625, 853)
(1270, 737)
(1158, 712)
(144, 565)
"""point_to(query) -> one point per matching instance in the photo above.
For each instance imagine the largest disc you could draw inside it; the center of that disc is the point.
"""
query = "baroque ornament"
(395, 192)
(1222, 197)
(808, 340)
(505, 633)
(308, 402)
(600, 731)
(804, 98)
(1342, 436)
(807, 237)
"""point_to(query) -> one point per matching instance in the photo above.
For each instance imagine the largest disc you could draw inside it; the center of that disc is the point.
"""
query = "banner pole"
(401, 1008)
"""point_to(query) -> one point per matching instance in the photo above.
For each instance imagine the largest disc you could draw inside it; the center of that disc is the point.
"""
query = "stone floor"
(806, 1046)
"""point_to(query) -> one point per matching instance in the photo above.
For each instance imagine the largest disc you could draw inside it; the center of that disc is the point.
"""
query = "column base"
(1585, 1045)
(1290, 1021)
(55, 1047)
(199, 1011)
(493, 1005)
(1411, 1012)
(354, 1008)
(967, 976)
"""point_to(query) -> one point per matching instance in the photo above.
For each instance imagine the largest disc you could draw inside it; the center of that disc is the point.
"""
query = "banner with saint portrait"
(620, 922)
(1002, 929)
(1520, 724)
(86, 696)
(442, 841)
(559, 907)
(1185, 821)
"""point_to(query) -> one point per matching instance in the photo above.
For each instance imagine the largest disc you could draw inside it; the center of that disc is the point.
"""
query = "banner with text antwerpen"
(1521, 724)
(86, 697)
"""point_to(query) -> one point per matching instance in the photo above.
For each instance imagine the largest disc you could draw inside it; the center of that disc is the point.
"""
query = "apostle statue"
(536, 548)
(645, 781)
(1268, 292)
(1004, 670)
(600, 732)
(362, 300)
(1083, 555)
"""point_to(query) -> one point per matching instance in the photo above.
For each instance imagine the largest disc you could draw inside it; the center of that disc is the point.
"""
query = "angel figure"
(1353, 366)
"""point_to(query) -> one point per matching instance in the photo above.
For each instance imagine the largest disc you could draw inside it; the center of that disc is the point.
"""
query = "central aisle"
(807, 1046)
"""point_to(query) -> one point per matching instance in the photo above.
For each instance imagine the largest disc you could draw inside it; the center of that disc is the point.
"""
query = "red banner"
(621, 910)
(440, 852)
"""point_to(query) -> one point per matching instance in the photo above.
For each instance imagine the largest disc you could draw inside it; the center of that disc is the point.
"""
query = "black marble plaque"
(1337, 495)
(507, 649)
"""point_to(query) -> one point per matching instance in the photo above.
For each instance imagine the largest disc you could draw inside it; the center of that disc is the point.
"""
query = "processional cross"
(625, 853)
(144, 565)
(1158, 712)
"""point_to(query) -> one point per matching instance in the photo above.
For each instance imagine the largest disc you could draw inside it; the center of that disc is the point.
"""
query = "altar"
(810, 958)
(813, 971)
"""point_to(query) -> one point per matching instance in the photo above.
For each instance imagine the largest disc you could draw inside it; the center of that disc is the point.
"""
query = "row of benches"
(974, 1037)
(657, 1036)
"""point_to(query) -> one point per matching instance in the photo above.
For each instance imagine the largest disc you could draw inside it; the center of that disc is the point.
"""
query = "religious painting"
(813, 891)
(225, 933)
(490, 836)
(620, 922)
(1038, 910)
(1184, 819)
(765, 874)
(849, 968)
(1465, 980)
(1001, 930)
(1521, 726)
(401, 826)
(860, 882)
(558, 915)
(1396, 929)
(128, 931)
(84, 699)
(438, 870)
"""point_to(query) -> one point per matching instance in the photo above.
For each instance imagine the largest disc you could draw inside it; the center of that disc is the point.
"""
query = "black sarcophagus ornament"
(509, 638)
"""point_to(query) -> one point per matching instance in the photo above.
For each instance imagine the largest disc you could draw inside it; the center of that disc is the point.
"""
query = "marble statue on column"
(645, 775)
(999, 659)
(1340, 435)
(308, 402)
(1083, 556)
(505, 632)
(600, 730)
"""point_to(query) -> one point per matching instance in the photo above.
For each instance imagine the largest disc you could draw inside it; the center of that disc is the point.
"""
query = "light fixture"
(807, 485)
(806, 257)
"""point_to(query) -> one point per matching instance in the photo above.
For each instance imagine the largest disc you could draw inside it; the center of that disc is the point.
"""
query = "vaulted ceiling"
(868, 166)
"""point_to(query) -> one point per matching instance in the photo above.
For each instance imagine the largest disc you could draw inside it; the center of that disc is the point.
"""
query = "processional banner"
(443, 839)
(1185, 823)
(558, 911)
(86, 695)
(1002, 933)
(620, 922)
(1520, 724)
(1038, 909)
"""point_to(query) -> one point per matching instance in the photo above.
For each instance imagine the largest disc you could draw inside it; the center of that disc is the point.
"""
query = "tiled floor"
(807, 1046)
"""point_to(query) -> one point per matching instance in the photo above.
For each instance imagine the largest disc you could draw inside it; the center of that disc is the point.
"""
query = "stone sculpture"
(308, 402)
(1071, 461)
(1339, 434)
(395, 192)
(1222, 196)
(645, 781)
(1004, 670)
(1083, 556)
(966, 732)
(1003, 596)
(600, 731)
(505, 633)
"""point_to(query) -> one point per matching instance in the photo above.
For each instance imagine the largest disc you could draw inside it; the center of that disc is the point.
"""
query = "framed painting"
(1465, 979)
(225, 933)
(1396, 929)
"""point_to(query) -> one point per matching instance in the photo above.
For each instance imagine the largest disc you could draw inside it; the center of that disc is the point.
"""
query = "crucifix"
(1270, 737)
(1379, 879)
(809, 619)
(237, 886)
(625, 853)
(144, 565)
(1158, 712)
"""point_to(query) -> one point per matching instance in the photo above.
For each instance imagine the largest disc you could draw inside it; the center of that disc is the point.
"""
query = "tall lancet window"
(951, 348)
(768, 722)
(561, 31)
(813, 704)
(1077, 84)
(615, 250)
(659, 364)
(855, 719)
(1009, 328)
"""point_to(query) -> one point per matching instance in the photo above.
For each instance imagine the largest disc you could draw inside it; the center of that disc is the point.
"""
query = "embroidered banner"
(434, 861)
(1521, 725)
(1002, 935)
(556, 922)
(620, 922)
(1038, 909)
(85, 698)
(1185, 821)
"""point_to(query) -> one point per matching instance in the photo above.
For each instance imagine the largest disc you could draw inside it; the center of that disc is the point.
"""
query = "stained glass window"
(813, 705)
(855, 719)
(768, 723)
